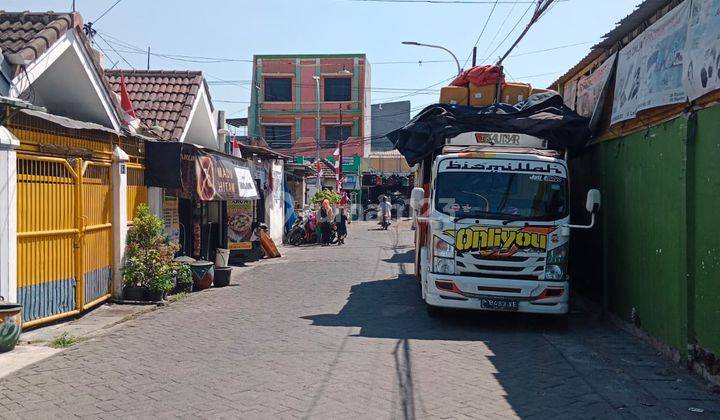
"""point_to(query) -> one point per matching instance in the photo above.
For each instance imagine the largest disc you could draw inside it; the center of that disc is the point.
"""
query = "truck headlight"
(554, 272)
(442, 248)
(558, 255)
(443, 265)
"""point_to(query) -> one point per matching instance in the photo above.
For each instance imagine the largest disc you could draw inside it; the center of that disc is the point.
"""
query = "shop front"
(208, 197)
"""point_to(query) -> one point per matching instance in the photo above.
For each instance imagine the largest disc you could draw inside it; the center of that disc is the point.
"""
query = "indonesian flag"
(337, 156)
(129, 117)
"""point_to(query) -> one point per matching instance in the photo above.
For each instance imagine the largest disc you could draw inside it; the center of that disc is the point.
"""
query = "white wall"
(274, 203)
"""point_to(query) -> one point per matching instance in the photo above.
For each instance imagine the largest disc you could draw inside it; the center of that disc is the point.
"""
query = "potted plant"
(149, 266)
(183, 278)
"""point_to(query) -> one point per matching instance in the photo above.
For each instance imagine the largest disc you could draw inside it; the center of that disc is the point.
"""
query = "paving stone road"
(340, 332)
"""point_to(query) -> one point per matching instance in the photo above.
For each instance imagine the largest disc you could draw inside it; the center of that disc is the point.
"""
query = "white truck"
(493, 225)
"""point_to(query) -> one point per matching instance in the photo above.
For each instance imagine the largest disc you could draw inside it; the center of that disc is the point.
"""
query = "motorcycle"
(303, 231)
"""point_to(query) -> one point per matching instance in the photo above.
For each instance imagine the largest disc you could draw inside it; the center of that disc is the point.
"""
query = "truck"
(492, 216)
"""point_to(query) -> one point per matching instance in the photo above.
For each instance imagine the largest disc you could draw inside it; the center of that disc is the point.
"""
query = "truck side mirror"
(416, 197)
(592, 204)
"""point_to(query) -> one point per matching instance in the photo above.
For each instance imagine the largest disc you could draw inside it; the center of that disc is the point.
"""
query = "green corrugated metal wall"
(705, 239)
(658, 243)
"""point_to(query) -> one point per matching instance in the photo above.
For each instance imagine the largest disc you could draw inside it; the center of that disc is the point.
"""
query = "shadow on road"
(542, 369)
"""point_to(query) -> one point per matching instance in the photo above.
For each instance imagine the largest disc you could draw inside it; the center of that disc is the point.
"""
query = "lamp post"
(419, 44)
(317, 129)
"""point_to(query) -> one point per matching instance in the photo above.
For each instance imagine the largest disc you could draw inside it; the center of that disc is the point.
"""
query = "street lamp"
(317, 130)
(419, 44)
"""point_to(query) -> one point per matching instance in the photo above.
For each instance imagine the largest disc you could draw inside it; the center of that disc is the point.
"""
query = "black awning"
(198, 173)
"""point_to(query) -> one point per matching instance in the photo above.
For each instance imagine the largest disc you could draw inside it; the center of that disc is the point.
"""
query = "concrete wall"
(386, 118)
(654, 259)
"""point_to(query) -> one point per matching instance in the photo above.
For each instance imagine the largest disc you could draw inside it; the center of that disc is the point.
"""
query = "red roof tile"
(161, 97)
(31, 34)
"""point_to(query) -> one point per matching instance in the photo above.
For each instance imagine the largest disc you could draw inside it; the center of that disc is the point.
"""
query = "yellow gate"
(64, 236)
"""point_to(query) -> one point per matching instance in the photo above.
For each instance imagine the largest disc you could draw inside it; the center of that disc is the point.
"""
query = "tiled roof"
(161, 97)
(31, 34)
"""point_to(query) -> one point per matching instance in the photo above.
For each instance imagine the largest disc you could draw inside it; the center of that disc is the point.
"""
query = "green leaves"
(149, 254)
(330, 195)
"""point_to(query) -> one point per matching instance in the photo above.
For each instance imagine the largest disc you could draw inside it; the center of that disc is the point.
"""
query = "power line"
(106, 12)
(482, 31)
(113, 48)
(509, 33)
(540, 9)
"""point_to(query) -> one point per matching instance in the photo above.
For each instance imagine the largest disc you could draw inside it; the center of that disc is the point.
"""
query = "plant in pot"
(183, 278)
(149, 268)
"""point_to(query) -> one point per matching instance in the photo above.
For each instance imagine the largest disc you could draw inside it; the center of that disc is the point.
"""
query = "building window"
(278, 89)
(278, 136)
(335, 133)
(337, 89)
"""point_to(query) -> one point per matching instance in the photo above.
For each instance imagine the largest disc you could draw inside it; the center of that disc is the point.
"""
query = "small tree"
(149, 255)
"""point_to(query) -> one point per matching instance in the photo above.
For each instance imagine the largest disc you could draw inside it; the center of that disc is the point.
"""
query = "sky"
(178, 32)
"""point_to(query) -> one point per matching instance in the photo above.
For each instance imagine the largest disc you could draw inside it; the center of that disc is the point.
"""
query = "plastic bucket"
(222, 257)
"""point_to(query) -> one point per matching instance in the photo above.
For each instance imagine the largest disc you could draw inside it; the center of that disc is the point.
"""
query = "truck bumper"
(538, 297)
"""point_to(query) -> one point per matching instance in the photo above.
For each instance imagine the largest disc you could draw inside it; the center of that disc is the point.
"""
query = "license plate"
(499, 304)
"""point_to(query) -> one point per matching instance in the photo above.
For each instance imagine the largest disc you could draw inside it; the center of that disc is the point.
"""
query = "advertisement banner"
(650, 67)
(590, 88)
(569, 91)
(171, 218)
(702, 56)
(210, 176)
(240, 214)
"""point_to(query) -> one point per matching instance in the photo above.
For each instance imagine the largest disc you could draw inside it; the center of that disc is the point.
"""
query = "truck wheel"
(434, 311)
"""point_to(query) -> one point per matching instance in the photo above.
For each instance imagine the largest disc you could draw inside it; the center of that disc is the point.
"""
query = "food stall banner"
(702, 54)
(650, 67)
(240, 214)
(198, 173)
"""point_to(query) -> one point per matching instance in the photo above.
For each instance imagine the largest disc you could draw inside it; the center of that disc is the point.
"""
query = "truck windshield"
(504, 196)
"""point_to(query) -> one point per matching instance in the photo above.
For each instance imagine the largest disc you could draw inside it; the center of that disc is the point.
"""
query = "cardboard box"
(482, 95)
(515, 92)
(454, 95)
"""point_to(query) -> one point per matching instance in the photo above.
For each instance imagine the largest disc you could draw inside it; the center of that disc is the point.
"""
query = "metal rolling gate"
(64, 236)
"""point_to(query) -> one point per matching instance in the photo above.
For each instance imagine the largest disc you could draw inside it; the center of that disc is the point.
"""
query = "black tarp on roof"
(542, 115)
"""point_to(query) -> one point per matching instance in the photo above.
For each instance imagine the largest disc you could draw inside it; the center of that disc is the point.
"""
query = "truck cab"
(493, 216)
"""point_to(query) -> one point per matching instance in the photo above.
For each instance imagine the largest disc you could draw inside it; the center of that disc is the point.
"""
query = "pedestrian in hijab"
(325, 217)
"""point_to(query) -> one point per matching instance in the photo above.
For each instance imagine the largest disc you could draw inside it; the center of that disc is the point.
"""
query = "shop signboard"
(210, 176)
(240, 214)
(198, 173)
(650, 67)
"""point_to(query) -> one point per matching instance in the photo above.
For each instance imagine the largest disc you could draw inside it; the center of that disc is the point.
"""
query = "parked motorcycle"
(303, 231)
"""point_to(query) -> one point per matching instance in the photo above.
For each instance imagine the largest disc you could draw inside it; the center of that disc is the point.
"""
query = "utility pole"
(474, 61)
(317, 130)
(148, 61)
(340, 154)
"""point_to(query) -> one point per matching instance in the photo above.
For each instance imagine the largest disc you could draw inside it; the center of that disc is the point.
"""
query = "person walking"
(341, 221)
(325, 217)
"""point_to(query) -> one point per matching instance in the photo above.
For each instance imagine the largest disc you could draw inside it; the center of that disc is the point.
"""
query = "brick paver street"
(340, 332)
